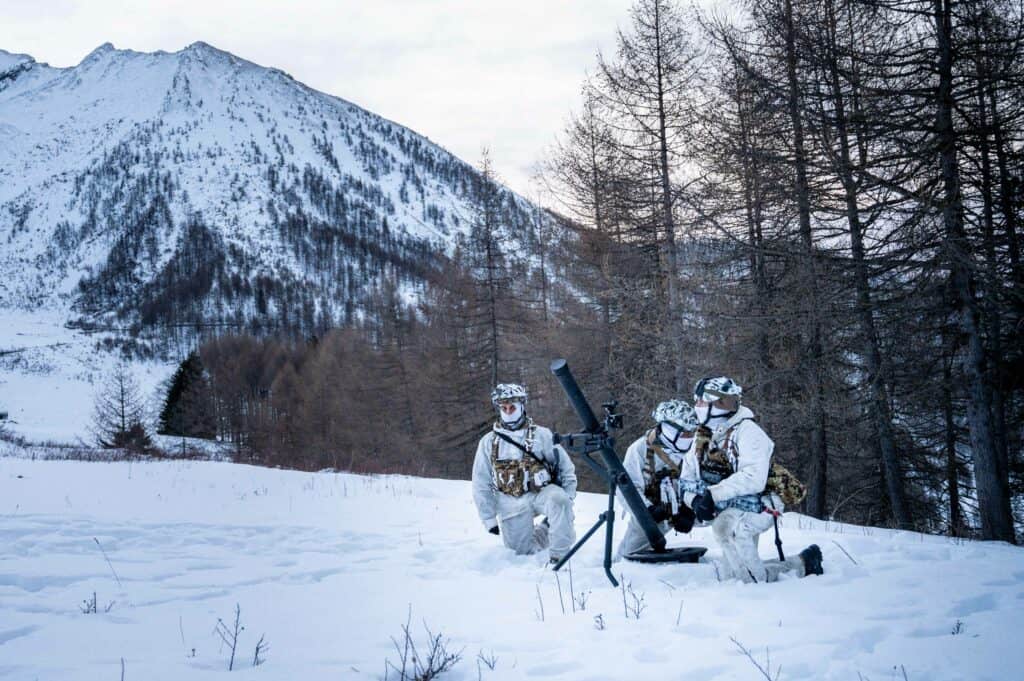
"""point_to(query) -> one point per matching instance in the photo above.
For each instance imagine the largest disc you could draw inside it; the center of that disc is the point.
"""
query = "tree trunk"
(992, 288)
(878, 404)
(956, 521)
(993, 501)
(668, 222)
(818, 488)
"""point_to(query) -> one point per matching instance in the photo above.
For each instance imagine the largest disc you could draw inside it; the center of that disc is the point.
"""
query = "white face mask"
(702, 413)
(673, 437)
(683, 444)
(715, 411)
(516, 414)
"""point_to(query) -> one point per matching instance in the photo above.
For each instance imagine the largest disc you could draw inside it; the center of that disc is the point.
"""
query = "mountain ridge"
(300, 198)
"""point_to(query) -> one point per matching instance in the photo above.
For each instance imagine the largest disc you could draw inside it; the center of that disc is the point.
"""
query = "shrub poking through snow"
(89, 606)
(229, 635)
(414, 666)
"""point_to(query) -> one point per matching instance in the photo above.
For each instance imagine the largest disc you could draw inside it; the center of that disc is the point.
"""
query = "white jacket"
(636, 459)
(490, 503)
(750, 453)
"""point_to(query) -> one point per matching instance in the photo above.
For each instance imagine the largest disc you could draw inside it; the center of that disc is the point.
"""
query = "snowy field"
(50, 375)
(327, 567)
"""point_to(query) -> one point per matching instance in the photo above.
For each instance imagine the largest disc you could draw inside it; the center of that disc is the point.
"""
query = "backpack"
(785, 485)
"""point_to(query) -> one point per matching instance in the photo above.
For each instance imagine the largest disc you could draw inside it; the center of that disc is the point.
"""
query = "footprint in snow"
(11, 634)
(551, 669)
(861, 641)
(930, 631)
(887, 615)
(651, 655)
(969, 606)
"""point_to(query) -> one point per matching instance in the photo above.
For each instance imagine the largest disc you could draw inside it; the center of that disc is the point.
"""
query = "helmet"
(508, 392)
(676, 412)
(714, 388)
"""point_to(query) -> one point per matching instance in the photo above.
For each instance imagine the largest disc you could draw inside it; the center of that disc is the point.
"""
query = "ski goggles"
(708, 395)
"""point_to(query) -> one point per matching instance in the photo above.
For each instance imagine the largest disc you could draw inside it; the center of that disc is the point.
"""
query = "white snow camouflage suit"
(749, 450)
(514, 514)
(633, 462)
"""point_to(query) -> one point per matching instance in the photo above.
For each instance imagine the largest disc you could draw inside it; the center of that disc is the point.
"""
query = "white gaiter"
(513, 418)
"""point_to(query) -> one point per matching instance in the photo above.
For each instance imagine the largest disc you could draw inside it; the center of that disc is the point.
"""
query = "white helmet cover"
(714, 388)
(508, 392)
(676, 412)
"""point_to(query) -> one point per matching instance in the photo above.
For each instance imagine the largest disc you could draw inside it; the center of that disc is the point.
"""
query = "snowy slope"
(50, 375)
(103, 166)
(328, 565)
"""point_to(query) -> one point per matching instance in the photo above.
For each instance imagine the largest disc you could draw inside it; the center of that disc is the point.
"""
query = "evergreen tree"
(118, 413)
(185, 411)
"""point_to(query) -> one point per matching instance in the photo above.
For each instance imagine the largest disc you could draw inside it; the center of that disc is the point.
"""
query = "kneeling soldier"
(653, 463)
(520, 473)
(728, 479)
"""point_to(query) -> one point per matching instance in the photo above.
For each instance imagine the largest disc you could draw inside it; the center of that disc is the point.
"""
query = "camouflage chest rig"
(654, 477)
(528, 473)
(719, 462)
(715, 463)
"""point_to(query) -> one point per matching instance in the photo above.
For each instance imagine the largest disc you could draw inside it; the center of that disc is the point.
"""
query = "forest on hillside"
(818, 198)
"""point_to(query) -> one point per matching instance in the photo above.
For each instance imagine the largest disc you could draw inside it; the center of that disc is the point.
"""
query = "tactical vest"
(718, 463)
(528, 473)
(652, 476)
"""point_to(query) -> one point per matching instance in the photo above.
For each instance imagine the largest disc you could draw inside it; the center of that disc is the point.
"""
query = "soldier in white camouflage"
(519, 474)
(653, 463)
(728, 479)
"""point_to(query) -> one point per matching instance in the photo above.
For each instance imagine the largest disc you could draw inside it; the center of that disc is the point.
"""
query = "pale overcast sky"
(465, 73)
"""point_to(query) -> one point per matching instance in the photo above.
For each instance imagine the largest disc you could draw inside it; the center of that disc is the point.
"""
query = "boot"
(811, 557)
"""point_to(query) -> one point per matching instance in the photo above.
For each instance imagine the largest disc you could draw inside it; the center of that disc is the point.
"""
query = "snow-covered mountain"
(167, 189)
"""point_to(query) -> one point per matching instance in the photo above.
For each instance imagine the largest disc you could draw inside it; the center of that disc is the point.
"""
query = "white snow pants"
(519, 533)
(635, 539)
(737, 533)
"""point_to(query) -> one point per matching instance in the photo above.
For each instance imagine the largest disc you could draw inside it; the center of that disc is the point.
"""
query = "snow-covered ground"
(327, 567)
(50, 375)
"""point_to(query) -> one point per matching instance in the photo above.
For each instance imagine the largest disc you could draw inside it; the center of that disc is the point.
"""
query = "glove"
(494, 530)
(704, 507)
(683, 521)
(659, 512)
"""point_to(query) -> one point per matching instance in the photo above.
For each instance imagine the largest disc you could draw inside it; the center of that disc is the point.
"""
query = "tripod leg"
(608, 539)
(583, 540)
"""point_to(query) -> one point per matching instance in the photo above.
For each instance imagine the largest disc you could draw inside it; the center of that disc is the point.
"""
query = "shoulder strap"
(732, 428)
(552, 466)
(653, 448)
(648, 469)
(512, 442)
(667, 460)
(531, 431)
